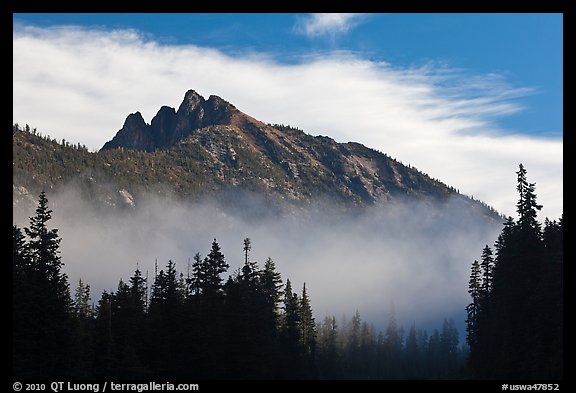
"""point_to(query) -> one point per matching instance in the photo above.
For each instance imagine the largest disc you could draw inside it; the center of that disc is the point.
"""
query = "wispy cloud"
(81, 84)
(330, 25)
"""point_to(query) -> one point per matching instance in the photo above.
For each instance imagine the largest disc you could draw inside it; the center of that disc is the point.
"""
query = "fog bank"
(416, 256)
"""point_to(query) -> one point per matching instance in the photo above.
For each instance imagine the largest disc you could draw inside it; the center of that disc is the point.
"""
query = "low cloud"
(80, 85)
(416, 256)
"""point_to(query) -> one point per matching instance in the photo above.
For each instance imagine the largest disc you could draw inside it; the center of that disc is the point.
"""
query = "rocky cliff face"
(170, 126)
(135, 134)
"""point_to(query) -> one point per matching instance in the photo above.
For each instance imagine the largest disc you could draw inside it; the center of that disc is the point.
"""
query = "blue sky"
(463, 97)
(525, 48)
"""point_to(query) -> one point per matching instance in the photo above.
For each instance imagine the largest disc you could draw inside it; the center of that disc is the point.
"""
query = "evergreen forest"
(209, 323)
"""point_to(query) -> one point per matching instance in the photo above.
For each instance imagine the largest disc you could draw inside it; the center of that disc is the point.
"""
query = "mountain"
(169, 127)
(208, 148)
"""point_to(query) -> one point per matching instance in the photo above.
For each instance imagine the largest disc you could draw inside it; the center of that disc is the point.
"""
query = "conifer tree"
(412, 356)
(165, 305)
(449, 346)
(307, 332)
(104, 360)
(212, 268)
(291, 334)
(487, 266)
(527, 207)
(48, 319)
(271, 287)
(473, 309)
(291, 325)
(22, 304)
(209, 305)
(138, 292)
(82, 351)
(328, 352)
(82, 306)
(196, 282)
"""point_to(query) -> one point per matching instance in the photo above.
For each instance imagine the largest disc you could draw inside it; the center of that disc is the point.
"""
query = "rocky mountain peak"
(169, 126)
(135, 134)
(134, 120)
(192, 100)
(219, 102)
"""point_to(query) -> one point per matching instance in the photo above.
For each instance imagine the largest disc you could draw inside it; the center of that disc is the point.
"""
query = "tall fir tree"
(527, 207)
(104, 359)
(328, 350)
(82, 337)
(413, 366)
(210, 305)
(271, 297)
(307, 334)
(48, 304)
(473, 309)
(449, 347)
(290, 334)
(393, 345)
(487, 266)
(23, 312)
(271, 289)
(212, 268)
(165, 305)
(196, 282)
(82, 306)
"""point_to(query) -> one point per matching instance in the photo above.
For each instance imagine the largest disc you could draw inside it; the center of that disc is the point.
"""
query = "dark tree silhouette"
(212, 268)
(473, 309)
(307, 334)
(165, 305)
(517, 329)
(44, 314)
(487, 266)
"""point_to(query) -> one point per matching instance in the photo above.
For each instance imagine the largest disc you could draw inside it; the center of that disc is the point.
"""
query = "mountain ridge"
(169, 125)
(208, 146)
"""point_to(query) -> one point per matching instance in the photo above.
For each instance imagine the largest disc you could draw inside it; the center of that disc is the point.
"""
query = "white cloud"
(318, 25)
(81, 84)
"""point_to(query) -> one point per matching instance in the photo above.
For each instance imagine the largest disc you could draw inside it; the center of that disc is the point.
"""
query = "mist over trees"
(514, 324)
(196, 324)
(254, 325)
